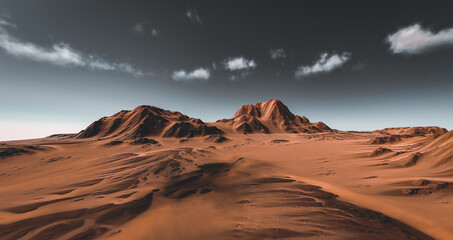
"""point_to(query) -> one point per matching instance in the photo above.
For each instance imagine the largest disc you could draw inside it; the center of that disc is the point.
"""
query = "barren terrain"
(209, 181)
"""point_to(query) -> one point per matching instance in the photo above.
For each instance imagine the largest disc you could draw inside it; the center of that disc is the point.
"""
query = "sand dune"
(135, 175)
(436, 153)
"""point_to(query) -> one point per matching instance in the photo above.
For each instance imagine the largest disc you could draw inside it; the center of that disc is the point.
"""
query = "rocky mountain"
(146, 121)
(270, 117)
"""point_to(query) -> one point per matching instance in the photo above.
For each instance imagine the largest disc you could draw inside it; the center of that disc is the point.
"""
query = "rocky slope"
(146, 121)
(270, 117)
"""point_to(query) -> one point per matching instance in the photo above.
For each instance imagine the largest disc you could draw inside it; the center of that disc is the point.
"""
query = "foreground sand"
(258, 186)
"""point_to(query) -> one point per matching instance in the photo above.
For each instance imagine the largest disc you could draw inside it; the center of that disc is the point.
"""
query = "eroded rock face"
(13, 151)
(380, 151)
(412, 160)
(424, 186)
(146, 121)
(270, 117)
(385, 139)
(16, 150)
(216, 138)
(141, 141)
(409, 161)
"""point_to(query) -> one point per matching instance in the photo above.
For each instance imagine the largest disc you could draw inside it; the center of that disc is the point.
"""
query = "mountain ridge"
(146, 121)
(270, 116)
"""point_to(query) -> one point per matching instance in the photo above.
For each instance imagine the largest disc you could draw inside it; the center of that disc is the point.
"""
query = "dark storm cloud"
(193, 15)
(60, 54)
(415, 39)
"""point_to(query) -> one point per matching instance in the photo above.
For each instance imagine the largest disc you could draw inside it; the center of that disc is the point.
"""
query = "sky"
(355, 65)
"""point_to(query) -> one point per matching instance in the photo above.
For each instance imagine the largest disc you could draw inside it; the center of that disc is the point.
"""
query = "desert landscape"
(226, 120)
(150, 173)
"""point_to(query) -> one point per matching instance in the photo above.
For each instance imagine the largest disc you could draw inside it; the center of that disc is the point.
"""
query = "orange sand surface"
(327, 185)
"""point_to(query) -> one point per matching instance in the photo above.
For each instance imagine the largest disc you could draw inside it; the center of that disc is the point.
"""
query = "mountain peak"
(270, 110)
(274, 110)
(271, 116)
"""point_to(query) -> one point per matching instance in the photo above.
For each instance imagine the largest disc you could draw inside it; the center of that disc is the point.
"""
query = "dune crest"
(438, 152)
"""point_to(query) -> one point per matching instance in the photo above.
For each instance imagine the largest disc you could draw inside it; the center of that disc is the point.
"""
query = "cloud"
(197, 74)
(240, 75)
(60, 54)
(154, 32)
(192, 14)
(325, 63)
(6, 23)
(240, 66)
(415, 40)
(143, 28)
(239, 63)
(139, 28)
(277, 53)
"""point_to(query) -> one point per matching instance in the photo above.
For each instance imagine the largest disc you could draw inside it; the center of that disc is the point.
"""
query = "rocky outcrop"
(385, 139)
(414, 131)
(380, 151)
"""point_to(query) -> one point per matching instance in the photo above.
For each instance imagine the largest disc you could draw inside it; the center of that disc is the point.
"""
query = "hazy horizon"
(44, 127)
